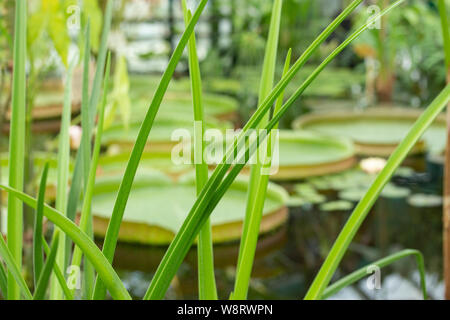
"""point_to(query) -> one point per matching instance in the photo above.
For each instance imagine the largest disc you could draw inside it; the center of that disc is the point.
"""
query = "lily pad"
(305, 154)
(160, 138)
(377, 131)
(158, 206)
(113, 163)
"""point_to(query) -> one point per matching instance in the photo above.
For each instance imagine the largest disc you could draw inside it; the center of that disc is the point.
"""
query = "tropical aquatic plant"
(210, 190)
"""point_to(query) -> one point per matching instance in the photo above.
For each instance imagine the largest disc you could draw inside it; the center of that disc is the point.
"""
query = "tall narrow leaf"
(86, 214)
(38, 250)
(44, 276)
(90, 250)
(63, 175)
(58, 273)
(258, 183)
(17, 144)
(362, 209)
(109, 244)
(209, 198)
(206, 281)
(361, 273)
(13, 270)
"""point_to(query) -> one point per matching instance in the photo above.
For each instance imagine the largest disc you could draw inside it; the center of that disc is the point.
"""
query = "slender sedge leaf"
(445, 31)
(14, 270)
(38, 251)
(256, 191)
(86, 214)
(58, 273)
(44, 276)
(362, 209)
(63, 175)
(249, 239)
(17, 143)
(89, 107)
(211, 193)
(206, 280)
(188, 231)
(90, 250)
(362, 273)
(3, 280)
(112, 232)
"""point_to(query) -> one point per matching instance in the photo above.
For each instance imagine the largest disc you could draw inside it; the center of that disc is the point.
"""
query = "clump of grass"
(210, 191)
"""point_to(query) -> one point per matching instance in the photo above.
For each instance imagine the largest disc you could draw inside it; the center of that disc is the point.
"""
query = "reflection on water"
(288, 259)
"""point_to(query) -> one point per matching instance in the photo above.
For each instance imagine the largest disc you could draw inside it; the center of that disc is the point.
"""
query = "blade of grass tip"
(112, 232)
(362, 209)
(86, 215)
(58, 273)
(212, 193)
(44, 276)
(14, 270)
(17, 143)
(3, 280)
(184, 238)
(206, 280)
(249, 239)
(63, 175)
(103, 267)
(364, 271)
(38, 252)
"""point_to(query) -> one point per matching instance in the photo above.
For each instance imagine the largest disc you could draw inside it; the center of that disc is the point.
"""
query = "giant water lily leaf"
(161, 136)
(304, 154)
(376, 131)
(156, 208)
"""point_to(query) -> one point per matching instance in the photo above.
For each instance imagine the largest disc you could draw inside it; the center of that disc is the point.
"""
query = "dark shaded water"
(288, 259)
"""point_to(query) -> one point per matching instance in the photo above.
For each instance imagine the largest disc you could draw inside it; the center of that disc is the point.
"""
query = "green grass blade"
(363, 272)
(130, 172)
(3, 280)
(362, 209)
(206, 280)
(63, 175)
(249, 238)
(58, 273)
(101, 58)
(86, 214)
(44, 277)
(14, 270)
(17, 143)
(184, 238)
(38, 251)
(84, 152)
(445, 31)
(89, 108)
(90, 250)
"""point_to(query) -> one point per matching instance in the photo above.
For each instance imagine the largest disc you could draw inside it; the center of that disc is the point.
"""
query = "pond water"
(288, 258)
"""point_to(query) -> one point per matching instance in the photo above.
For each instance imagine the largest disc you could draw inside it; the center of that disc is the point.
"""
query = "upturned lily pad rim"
(346, 160)
(137, 232)
(372, 113)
